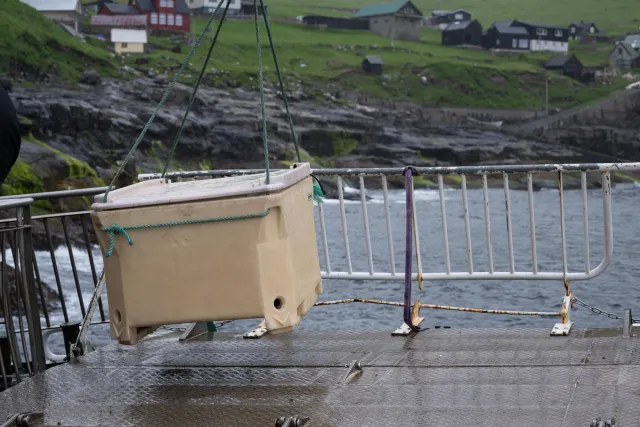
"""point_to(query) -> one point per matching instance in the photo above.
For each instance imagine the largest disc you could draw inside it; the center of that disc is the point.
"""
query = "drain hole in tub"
(278, 303)
(117, 317)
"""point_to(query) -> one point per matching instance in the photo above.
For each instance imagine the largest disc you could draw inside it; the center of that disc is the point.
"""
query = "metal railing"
(353, 219)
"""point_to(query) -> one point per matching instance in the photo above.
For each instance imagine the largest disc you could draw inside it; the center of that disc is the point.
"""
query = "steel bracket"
(564, 327)
(405, 329)
(354, 369)
(258, 332)
(294, 421)
(627, 327)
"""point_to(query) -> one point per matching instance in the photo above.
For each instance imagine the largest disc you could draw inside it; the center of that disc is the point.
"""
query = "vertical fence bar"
(532, 224)
(365, 219)
(3, 371)
(38, 362)
(345, 233)
(54, 264)
(507, 200)
(7, 312)
(87, 243)
(323, 231)
(585, 220)
(416, 235)
(445, 235)
(74, 270)
(387, 217)
(487, 221)
(17, 262)
(562, 234)
(467, 225)
(45, 311)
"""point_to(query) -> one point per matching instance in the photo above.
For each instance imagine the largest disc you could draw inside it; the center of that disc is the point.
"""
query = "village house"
(462, 33)
(128, 41)
(400, 20)
(372, 64)
(569, 65)
(501, 35)
(443, 18)
(520, 35)
(579, 30)
(207, 7)
(68, 12)
(165, 15)
(626, 53)
(318, 21)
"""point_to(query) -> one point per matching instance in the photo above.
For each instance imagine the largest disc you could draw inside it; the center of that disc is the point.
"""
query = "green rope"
(318, 195)
(195, 89)
(284, 93)
(115, 229)
(157, 109)
(262, 106)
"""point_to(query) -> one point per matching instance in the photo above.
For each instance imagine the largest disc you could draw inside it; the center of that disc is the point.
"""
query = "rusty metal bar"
(467, 225)
(445, 235)
(443, 307)
(343, 218)
(532, 224)
(365, 219)
(387, 217)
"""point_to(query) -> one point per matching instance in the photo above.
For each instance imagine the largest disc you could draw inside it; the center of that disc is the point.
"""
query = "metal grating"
(524, 378)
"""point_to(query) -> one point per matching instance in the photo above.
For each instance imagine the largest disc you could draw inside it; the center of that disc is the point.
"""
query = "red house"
(170, 15)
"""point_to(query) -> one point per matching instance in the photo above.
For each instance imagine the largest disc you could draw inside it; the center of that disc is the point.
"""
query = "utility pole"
(546, 94)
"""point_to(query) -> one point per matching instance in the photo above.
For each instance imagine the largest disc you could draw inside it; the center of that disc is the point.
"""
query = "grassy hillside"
(330, 60)
(32, 45)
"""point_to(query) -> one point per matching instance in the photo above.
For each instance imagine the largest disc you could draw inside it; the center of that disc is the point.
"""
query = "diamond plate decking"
(452, 377)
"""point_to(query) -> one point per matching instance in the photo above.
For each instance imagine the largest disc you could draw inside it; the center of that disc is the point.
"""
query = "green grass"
(32, 44)
(330, 60)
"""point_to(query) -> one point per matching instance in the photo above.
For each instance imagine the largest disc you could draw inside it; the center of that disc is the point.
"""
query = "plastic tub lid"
(162, 191)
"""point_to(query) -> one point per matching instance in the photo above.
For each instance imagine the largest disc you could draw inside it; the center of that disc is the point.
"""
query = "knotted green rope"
(115, 229)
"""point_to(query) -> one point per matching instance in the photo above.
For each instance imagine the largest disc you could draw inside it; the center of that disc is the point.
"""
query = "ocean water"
(617, 288)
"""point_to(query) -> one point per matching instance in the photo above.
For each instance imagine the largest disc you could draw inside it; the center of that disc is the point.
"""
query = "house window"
(558, 33)
(375, 21)
(170, 19)
(170, 3)
(179, 20)
(541, 31)
(592, 30)
(497, 42)
(163, 3)
(573, 30)
(154, 18)
(163, 19)
(458, 16)
(523, 44)
(514, 43)
(124, 45)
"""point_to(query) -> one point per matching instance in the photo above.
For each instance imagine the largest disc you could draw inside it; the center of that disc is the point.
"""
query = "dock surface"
(452, 377)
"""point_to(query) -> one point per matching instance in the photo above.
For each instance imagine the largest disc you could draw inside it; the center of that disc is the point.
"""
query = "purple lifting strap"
(408, 176)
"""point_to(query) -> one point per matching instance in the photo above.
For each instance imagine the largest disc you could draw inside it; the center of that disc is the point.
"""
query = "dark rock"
(142, 60)
(45, 293)
(6, 83)
(90, 77)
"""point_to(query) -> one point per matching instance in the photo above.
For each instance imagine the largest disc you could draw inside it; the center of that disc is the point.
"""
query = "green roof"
(380, 9)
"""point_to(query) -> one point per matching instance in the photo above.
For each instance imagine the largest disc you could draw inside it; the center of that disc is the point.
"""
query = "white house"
(128, 41)
(65, 11)
(209, 6)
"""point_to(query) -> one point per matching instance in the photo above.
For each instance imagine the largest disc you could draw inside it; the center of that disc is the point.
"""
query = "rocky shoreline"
(98, 120)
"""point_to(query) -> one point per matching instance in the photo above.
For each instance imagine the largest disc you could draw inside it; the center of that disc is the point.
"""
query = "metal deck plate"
(437, 377)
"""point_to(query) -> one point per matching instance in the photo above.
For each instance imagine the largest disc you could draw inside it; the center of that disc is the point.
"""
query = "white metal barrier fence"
(473, 270)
